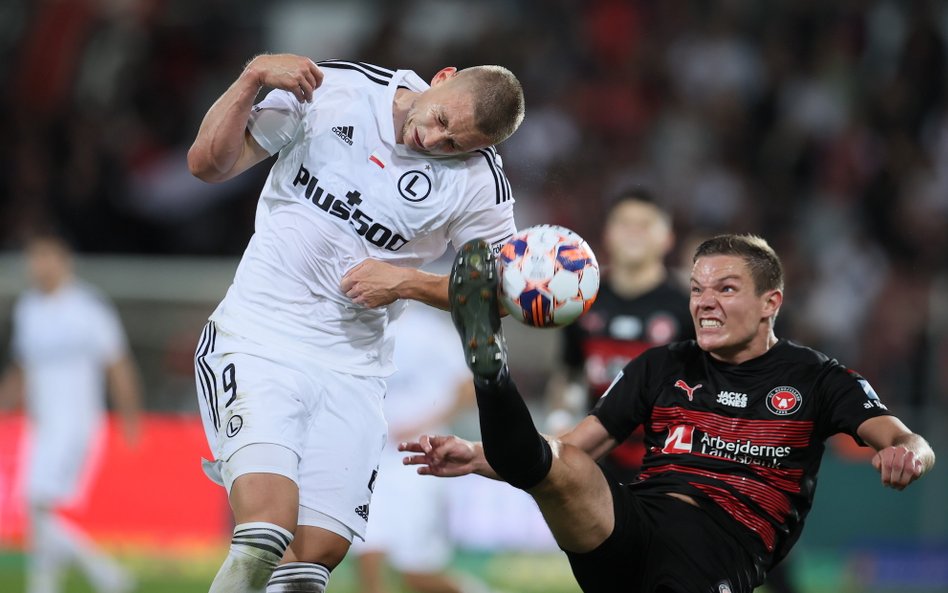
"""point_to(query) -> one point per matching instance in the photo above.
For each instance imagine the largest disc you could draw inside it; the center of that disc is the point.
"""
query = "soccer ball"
(548, 276)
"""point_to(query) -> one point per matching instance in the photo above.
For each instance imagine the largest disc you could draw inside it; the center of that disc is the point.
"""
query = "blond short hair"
(498, 100)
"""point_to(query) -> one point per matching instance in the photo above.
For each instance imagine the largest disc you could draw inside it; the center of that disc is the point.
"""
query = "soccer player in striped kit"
(735, 424)
(377, 172)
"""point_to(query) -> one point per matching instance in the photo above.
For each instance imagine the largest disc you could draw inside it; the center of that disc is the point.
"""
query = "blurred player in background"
(639, 306)
(407, 528)
(377, 172)
(736, 423)
(68, 344)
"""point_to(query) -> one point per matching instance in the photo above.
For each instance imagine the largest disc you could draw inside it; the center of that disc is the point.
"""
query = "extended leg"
(567, 484)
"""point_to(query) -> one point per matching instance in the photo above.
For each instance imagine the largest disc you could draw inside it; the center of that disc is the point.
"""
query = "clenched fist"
(296, 74)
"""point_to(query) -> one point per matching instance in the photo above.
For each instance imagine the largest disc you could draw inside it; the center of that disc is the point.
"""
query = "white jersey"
(63, 342)
(343, 191)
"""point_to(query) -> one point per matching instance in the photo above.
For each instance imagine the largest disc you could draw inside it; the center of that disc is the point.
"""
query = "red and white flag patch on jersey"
(374, 157)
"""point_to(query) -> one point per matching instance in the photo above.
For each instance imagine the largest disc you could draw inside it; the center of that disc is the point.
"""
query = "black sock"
(512, 445)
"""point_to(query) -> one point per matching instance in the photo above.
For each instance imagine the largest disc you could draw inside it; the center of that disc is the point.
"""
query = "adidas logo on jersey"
(344, 132)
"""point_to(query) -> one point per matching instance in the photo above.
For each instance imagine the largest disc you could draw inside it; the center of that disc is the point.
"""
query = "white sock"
(299, 577)
(255, 551)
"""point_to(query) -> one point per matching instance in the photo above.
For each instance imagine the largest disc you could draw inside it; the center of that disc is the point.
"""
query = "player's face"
(48, 264)
(637, 233)
(440, 122)
(732, 321)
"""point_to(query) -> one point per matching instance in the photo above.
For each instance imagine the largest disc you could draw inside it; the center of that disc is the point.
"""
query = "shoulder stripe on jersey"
(501, 185)
(383, 72)
(377, 70)
(376, 75)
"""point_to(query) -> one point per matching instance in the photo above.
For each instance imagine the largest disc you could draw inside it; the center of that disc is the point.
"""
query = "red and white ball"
(548, 276)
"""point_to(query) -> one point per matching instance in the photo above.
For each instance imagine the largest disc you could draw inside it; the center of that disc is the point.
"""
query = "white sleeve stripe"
(501, 185)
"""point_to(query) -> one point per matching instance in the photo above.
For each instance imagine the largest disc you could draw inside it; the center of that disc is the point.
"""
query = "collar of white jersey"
(412, 82)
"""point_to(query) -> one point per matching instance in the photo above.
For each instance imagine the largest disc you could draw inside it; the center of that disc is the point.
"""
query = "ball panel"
(572, 257)
(536, 307)
(568, 312)
(564, 285)
(589, 284)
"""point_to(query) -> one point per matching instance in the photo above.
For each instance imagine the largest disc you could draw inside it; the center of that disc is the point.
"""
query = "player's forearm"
(481, 467)
(431, 289)
(11, 388)
(220, 139)
(125, 388)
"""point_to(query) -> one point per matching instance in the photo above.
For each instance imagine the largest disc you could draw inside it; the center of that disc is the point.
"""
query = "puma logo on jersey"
(344, 132)
(680, 384)
(733, 399)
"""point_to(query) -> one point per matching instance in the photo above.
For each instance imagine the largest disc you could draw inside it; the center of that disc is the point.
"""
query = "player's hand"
(296, 74)
(442, 456)
(372, 283)
(898, 466)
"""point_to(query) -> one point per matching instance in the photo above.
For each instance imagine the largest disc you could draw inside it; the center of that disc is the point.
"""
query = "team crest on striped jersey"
(784, 400)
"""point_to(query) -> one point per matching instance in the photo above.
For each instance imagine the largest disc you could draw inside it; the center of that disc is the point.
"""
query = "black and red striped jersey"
(747, 438)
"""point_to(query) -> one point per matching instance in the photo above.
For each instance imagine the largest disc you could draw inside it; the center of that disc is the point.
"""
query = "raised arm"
(901, 455)
(224, 147)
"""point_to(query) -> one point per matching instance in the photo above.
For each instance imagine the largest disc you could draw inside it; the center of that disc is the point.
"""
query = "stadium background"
(822, 126)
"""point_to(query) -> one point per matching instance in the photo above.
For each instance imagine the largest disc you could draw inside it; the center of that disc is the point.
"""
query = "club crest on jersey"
(680, 384)
(414, 186)
(784, 400)
(724, 587)
(234, 425)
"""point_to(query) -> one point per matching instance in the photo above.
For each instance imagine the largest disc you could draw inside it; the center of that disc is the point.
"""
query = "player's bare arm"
(126, 393)
(224, 148)
(450, 456)
(901, 455)
(447, 457)
(374, 283)
(12, 387)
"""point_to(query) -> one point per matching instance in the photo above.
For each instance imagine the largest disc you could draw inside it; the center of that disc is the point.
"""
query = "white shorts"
(409, 518)
(252, 394)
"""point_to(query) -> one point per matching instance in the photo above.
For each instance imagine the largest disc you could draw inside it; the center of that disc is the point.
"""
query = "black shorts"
(661, 544)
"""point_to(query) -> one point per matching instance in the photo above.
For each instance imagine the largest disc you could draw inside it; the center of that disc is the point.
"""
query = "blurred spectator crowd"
(822, 126)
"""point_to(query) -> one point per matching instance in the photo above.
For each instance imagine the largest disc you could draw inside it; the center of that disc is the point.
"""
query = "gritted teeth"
(711, 323)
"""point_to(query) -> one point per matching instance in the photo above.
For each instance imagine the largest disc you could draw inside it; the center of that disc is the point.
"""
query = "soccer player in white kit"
(377, 172)
(67, 340)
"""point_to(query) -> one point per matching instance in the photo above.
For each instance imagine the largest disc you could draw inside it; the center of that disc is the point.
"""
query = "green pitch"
(506, 573)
